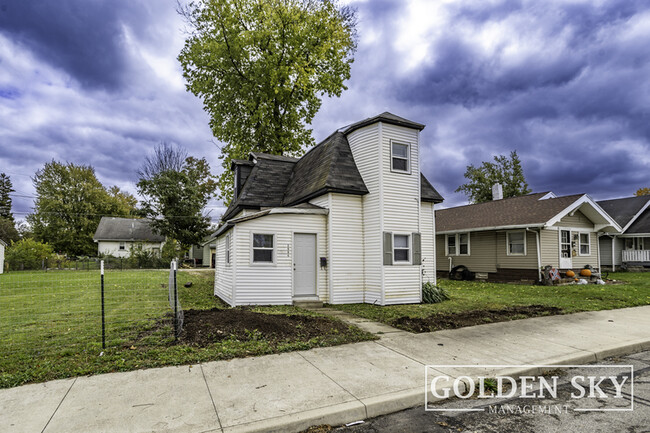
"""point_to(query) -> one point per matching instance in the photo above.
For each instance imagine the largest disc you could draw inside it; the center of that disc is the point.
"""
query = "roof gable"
(126, 229)
(625, 211)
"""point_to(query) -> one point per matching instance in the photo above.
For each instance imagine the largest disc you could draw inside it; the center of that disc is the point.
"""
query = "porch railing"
(636, 256)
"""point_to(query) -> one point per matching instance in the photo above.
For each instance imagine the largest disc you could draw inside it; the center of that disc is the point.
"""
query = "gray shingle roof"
(277, 180)
(624, 209)
(515, 211)
(328, 167)
(126, 229)
(428, 192)
(641, 225)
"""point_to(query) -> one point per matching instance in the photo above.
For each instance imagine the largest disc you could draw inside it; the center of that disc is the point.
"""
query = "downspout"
(614, 254)
(450, 263)
(539, 254)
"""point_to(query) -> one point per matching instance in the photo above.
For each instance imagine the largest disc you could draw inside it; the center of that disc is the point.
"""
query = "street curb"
(375, 406)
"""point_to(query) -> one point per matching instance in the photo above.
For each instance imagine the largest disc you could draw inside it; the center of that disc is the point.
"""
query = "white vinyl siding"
(346, 260)
(364, 144)
(223, 272)
(400, 204)
(113, 247)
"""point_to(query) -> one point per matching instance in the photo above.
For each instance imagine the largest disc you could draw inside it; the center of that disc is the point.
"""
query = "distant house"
(204, 253)
(3, 245)
(631, 248)
(116, 236)
(350, 222)
(513, 239)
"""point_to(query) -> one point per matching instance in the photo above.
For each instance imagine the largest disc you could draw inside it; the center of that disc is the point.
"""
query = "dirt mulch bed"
(204, 327)
(470, 318)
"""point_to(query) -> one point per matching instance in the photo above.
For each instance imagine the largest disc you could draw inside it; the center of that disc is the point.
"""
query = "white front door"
(304, 264)
(565, 250)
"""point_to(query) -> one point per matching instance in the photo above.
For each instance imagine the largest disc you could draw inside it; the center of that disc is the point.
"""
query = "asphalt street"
(550, 414)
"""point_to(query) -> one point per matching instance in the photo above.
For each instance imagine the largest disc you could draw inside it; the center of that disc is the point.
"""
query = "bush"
(28, 254)
(432, 294)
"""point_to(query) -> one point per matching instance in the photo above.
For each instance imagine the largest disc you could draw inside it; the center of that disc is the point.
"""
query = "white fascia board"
(295, 210)
(485, 229)
(633, 235)
(637, 215)
(548, 195)
(585, 199)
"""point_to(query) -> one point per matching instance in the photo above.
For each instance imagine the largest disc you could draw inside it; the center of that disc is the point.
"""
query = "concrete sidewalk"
(292, 391)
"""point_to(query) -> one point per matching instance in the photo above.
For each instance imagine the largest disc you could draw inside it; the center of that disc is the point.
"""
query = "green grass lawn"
(50, 324)
(467, 296)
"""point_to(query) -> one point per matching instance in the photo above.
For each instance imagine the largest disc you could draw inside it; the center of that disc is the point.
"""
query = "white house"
(115, 236)
(3, 245)
(352, 221)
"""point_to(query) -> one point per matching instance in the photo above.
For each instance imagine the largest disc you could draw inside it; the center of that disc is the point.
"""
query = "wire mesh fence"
(60, 312)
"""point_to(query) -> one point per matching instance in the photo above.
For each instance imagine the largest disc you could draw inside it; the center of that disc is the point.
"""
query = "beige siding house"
(116, 236)
(352, 221)
(514, 239)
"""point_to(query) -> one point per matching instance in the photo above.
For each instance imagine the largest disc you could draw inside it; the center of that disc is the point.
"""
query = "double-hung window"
(263, 248)
(227, 249)
(400, 157)
(401, 248)
(585, 248)
(458, 244)
(122, 246)
(517, 243)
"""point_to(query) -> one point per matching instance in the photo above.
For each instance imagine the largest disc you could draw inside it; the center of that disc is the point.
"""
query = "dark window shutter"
(417, 249)
(388, 248)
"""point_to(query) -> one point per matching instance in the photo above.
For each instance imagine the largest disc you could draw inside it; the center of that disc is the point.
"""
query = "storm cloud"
(97, 82)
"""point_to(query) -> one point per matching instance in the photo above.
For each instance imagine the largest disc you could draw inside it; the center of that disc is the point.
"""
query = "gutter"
(483, 229)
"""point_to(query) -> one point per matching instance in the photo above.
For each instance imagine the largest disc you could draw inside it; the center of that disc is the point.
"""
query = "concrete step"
(308, 303)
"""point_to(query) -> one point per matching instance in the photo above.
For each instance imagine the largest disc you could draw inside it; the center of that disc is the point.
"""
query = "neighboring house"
(631, 248)
(3, 245)
(351, 221)
(204, 253)
(513, 239)
(116, 236)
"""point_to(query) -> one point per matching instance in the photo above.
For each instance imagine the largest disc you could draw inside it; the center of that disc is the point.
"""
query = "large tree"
(175, 190)
(6, 188)
(504, 170)
(69, 203)
(642, 191)
(261, 69)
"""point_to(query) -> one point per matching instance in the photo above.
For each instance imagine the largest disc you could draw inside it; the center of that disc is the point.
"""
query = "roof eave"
(489, 229)
(371, 121)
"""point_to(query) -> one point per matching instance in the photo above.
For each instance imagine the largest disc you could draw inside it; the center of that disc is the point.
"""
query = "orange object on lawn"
(585, 273)
(570, 273)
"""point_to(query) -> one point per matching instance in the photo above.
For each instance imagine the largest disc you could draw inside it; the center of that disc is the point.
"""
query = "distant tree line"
(70, 201)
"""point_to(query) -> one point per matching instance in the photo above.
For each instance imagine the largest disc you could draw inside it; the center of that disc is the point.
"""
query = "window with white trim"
(399, 154)
(517, 243)
(263, 248)
(227, 249)
(122, 246)
(585, 246)
(401, 248)
(458, 244)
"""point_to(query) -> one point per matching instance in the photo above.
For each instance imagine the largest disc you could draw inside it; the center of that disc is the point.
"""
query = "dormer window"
(400, 157)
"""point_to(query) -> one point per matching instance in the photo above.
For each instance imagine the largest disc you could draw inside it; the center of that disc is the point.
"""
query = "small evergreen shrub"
(432, 294)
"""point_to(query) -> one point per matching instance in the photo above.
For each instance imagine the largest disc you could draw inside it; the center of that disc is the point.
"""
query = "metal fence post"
(101, 266)
(175, 303)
